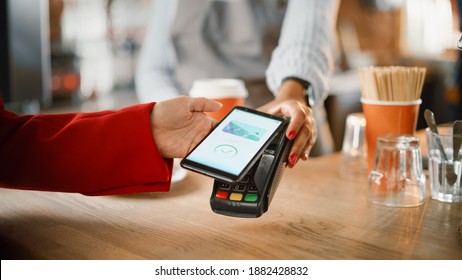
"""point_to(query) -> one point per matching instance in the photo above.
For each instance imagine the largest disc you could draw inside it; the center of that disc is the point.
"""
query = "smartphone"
(235, 144)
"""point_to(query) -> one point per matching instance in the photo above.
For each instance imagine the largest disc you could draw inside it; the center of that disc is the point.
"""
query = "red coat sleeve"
(103, 153)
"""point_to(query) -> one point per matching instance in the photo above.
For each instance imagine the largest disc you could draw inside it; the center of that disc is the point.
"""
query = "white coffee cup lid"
(218, 88)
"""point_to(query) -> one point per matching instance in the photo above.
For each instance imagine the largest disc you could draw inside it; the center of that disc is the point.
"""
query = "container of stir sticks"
(390, 101)
(392, 83)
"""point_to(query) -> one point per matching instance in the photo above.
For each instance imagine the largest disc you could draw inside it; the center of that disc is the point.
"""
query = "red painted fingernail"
(293, 158)
(291, 135)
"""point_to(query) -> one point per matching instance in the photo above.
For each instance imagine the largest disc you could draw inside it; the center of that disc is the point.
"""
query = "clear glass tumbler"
(445, 165)
(397, 177)
(354, 149)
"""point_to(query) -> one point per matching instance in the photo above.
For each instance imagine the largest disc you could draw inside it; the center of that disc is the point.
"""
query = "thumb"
(202, 104)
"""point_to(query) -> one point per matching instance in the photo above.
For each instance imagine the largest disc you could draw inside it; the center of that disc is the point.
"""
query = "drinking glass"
(445, 165)
(397, 177)
(354, 149)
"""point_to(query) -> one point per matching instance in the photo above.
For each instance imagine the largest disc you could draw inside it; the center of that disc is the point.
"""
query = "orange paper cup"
(388, 117)
(229, 92)
(228, 104)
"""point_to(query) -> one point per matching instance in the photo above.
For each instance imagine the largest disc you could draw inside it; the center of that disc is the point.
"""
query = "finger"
(297, 120)
(298, 148)
(202, 104)
(310, 143)
(297, 116)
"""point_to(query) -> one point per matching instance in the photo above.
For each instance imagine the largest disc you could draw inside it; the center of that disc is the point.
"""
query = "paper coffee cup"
(229, 92)
(388, 117)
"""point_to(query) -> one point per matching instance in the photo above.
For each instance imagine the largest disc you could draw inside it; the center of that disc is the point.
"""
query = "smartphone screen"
(228, 151)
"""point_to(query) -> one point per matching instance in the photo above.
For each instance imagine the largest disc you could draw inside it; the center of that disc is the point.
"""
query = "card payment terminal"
(252, 195)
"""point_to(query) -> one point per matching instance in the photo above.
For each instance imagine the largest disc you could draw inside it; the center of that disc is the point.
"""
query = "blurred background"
(81, 55)
(84, 53)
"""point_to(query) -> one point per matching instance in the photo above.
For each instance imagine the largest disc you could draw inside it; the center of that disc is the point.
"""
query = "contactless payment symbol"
(225, 150)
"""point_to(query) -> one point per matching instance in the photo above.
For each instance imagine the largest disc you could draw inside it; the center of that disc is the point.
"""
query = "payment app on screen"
(235, 141)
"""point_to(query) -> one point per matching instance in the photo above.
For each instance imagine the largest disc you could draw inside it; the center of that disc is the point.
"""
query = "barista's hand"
(291, 102)
(179, 124)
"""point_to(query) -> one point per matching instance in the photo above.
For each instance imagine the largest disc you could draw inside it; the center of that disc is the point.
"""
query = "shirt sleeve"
(102, 153)
(155, 78)
(305, 47)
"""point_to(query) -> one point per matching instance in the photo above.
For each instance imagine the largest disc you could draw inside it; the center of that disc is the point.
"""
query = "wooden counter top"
(314, 215)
